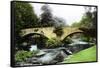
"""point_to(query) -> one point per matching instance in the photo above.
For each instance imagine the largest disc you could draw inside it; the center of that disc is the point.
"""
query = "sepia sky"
(69, 13)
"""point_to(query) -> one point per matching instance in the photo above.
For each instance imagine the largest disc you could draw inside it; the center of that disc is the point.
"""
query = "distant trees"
(88, 23)
(76, 24)
(26, 18)
(89, 19)
(46, 18)
(59, 22)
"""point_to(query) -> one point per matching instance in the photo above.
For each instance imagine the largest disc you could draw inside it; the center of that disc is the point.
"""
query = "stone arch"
(72, 34)
(32, 39)
(30, 34)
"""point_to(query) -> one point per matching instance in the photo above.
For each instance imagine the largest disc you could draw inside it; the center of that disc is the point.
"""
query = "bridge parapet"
(48, 31)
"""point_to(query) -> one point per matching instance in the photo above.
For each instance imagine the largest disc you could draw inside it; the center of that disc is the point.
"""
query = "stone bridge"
(48, 31)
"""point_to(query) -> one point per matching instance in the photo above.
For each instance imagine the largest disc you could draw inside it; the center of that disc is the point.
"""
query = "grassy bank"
(86, 55)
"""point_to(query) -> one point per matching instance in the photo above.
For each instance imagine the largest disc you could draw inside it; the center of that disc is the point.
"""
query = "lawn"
(86, 55)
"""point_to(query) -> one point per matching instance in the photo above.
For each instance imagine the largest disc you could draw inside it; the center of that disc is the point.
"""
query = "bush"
(58, 31)
(67, 41)
(21, 56)
(85, 38)
(53, 42)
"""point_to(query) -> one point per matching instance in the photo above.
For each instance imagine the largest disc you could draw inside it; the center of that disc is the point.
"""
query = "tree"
(89, 18)
(59, 22)
(76, 24)
(46, 17)
(95, 18)
(24, 15)
(24, 18)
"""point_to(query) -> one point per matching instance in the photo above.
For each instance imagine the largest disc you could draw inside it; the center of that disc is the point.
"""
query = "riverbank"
(87, 55)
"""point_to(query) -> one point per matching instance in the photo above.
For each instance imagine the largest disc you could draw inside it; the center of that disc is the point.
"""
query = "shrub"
(21, 56)
(53, 42)
(58, 31)
(67, 41)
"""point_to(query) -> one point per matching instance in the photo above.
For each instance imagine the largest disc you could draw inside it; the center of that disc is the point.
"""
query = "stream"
(56, 55)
